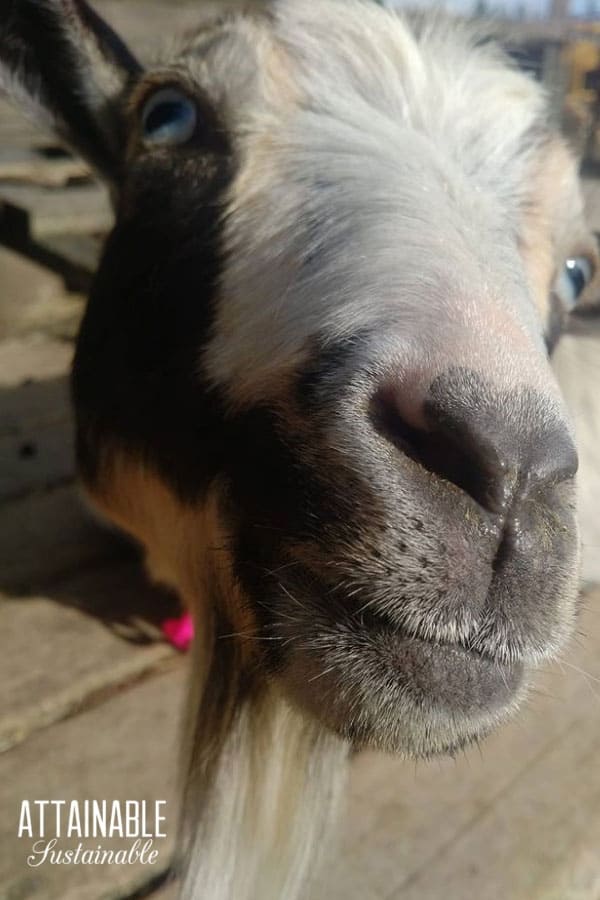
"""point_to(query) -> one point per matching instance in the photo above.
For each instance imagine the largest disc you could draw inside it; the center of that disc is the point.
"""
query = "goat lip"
(383, 688)
(474, 646)
(449, 696)
(484, 660)
(442, 660)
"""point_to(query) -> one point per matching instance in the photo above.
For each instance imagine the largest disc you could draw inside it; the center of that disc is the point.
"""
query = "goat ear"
(67, 69)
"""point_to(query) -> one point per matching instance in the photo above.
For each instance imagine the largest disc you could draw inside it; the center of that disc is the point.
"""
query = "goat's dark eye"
(168, 118)
(573, 280)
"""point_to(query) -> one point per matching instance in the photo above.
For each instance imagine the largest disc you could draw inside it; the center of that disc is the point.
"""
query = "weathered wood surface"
(36, 433)
(92, 632)
(31, 166)
(89, 702)
(52, 211)
(33, 304)
(122, 749)
(519, 820)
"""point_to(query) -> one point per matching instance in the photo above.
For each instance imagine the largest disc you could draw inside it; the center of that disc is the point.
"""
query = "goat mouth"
(400, 693)
(414, 633)
(454, 677)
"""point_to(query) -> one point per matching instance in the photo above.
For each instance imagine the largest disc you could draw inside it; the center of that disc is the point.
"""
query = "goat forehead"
(429, 74)
(376, 191)
(382, 169)
(362, 64)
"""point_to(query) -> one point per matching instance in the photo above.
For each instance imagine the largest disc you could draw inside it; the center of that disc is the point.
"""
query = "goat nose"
(497, 445)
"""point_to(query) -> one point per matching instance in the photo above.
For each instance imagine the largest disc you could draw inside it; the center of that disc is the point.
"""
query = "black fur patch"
(136, 381)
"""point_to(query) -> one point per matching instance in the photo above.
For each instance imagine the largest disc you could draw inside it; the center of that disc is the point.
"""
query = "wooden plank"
(32, 166)
(35, 457)
(79, 250)
(540, 839)
(60, 210)
(30, 359)
(124, 749)
(33, 299)
(36, 431)
(50, 532)
(520, 820)
(47, 535)
(82, 638)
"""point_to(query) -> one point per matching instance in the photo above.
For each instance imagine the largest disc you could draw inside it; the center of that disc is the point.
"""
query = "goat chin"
(262, 785)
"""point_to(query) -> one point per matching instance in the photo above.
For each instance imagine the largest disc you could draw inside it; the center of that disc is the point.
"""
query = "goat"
(313, 381)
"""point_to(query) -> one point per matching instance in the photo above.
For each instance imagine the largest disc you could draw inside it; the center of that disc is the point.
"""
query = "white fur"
(260, 832)
(401, 164)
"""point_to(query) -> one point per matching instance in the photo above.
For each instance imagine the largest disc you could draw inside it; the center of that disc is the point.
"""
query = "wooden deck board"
(517, 821)
(30, 166)
(36, 430)
(33, 302)
(47, 535)
(51, 211)
(125, 749)
(70, 644)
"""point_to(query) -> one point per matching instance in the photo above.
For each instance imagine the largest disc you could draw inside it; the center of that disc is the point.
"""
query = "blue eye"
(573, 280)
(168, 118)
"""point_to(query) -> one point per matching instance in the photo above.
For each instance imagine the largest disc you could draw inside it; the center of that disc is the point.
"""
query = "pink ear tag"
(179, 632)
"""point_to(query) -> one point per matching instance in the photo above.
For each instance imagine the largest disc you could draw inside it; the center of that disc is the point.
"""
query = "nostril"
(448, 452)
(389, 422)
(497, 447)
